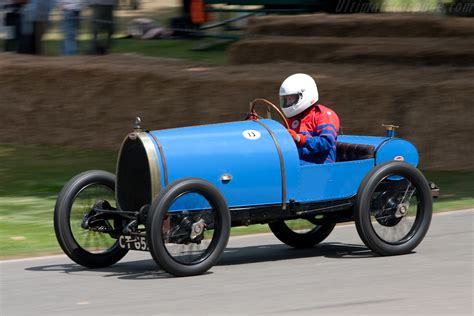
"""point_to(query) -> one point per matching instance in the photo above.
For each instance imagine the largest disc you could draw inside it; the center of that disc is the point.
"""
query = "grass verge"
(169, 48)
(31, 177)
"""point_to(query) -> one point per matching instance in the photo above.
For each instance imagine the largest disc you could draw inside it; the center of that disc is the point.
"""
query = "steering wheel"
(263, 102)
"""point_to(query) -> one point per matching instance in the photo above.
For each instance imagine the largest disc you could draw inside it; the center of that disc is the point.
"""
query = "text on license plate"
(133, 243)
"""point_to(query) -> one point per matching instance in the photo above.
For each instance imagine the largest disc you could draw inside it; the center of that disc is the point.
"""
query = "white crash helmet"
(297, 93)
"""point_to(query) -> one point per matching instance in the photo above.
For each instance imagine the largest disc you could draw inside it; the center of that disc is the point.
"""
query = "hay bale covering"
(409, 51)
(92, 101)
(361, 25)
(360, 38)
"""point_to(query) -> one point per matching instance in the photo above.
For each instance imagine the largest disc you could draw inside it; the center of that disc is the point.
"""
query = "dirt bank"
(361, 25)
(92, 101)
(360, 38)
(368, 50)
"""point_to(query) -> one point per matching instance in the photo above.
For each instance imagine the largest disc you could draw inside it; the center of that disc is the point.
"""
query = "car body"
(249, 172)
(261, 159)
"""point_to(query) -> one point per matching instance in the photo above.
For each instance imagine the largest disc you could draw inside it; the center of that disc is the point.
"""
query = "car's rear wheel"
(393, 208)
(188, 227)
(300, 233)
(94, 246)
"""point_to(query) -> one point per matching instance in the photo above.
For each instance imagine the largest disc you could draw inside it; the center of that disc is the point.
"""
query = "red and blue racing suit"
(318, 127)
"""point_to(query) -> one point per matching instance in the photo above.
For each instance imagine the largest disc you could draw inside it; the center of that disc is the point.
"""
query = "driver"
(313, 126)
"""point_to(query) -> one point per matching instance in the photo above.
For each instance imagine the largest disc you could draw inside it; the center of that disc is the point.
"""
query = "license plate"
(133, 243)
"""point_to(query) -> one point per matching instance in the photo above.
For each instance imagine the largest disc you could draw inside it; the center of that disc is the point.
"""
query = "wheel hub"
(387, 210)
(402, 210)
(188, 231)
(96, 222)
(197, 229)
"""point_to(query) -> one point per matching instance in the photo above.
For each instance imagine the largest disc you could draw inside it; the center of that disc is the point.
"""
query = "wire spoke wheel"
(393, 208)
(188, 227)
(92, 241)
(190, 231)
(394, 211)
(86, 237)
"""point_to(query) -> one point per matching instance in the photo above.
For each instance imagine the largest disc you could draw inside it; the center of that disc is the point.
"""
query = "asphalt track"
(259, 276)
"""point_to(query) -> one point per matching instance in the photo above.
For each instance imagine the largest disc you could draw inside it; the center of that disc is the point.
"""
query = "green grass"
(31, 177)
(457, 189)
(171, 48)
(181, 49)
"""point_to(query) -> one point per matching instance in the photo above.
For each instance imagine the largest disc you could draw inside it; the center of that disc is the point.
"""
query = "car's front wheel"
(188, 227)
(85, 237)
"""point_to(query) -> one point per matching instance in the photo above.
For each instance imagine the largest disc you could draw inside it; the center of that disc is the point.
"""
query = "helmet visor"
(289, 100)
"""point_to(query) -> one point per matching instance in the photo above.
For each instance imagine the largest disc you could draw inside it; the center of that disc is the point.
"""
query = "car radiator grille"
(133, 186)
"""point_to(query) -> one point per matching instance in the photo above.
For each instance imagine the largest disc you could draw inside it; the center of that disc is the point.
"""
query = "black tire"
(300, 240)
(372, 186)
(65, 225)
(159, 213)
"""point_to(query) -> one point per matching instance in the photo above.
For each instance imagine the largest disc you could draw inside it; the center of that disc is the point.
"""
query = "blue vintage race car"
(177, 193)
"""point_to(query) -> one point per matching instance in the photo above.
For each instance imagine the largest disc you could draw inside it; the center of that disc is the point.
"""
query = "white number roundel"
(251, 134)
